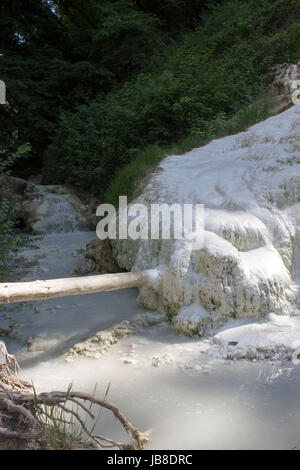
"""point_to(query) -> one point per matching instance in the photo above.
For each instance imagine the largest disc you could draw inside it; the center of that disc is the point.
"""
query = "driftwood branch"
(25, 405)
(19, 403)
(41, 290)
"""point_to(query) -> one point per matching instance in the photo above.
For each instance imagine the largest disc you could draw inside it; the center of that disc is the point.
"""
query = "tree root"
(9, 369)
(36, 411)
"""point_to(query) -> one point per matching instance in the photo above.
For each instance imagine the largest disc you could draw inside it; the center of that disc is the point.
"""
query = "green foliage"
(175, 15)
(8, 239)
(114, 35)
(64, 427)
(105, 125)
(92, 83)
(55, 55)
(126, 178)
(185, 89)
(43, 75)
(61, 430)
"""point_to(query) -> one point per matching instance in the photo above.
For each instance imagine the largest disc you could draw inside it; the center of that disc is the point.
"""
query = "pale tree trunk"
(42, 290)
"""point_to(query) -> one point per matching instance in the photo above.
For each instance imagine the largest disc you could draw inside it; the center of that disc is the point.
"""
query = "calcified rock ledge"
(247, 267)
(99, 344)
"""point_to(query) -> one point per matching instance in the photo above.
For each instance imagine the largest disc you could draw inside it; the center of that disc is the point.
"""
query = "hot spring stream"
(163, 382)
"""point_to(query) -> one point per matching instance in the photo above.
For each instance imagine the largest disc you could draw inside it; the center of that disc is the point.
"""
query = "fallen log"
(41, 290)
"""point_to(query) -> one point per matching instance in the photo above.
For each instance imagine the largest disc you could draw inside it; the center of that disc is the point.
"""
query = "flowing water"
(57, 212)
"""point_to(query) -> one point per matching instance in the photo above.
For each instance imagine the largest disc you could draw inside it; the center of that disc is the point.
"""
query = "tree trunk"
(41, 290)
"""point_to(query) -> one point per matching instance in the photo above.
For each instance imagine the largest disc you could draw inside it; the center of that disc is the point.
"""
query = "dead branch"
(17, 401)
(20, 403)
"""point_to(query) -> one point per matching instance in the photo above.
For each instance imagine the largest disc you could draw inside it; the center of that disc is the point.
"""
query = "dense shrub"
(8, 239)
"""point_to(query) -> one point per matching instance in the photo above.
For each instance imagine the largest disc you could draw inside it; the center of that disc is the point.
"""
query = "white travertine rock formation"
(247, 267)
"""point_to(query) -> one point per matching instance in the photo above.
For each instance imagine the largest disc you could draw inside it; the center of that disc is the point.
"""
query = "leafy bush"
(8, 239)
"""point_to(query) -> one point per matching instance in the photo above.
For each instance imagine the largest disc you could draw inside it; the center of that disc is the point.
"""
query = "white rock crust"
(247, 267)
(278, 338)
